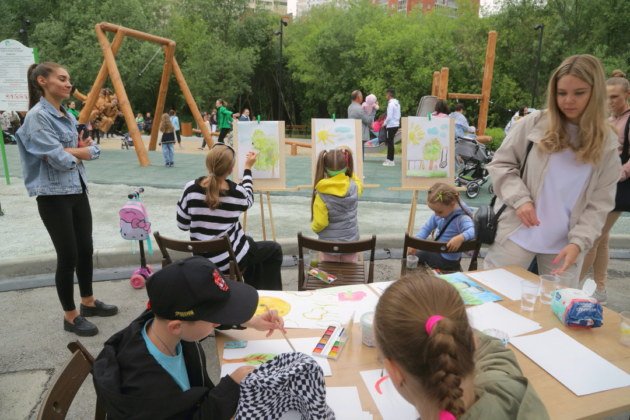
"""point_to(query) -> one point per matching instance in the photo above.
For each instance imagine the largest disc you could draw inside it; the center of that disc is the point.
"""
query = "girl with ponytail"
(335, 200)
(439, 364)
(52, 155)
(210, 207)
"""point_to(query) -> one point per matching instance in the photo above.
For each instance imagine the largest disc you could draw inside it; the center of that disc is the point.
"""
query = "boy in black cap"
(155, 368)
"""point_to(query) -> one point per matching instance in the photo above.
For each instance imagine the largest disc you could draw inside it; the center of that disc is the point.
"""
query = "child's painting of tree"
(428, 150)
(266, 139)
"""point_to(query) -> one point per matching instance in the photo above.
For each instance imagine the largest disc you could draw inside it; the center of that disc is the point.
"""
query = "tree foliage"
(230, 51)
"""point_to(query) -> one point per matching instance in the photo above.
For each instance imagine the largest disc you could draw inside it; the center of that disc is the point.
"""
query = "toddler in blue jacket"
(451, 223)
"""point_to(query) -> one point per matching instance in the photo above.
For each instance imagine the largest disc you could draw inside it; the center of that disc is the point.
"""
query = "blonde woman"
(557, 210)
(168, 140)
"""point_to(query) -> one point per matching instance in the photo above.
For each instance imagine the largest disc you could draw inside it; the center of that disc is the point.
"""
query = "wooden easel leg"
(273, 228)
(262, 216)
(412, 212)
(245, 222)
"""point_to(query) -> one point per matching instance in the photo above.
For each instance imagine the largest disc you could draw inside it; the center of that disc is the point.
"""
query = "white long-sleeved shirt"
(393, 113)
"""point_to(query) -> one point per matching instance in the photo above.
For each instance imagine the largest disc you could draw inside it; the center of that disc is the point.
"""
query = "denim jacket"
(48, 169)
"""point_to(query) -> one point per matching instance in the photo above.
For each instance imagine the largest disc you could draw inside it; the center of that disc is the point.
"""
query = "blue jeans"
(168, 153)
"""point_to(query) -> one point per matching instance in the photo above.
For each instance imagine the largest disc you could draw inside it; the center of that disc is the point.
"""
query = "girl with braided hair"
(335, 200)
(439, 364)
(451, 223)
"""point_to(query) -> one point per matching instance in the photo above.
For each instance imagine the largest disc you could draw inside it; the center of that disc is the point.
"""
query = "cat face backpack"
(135, 226)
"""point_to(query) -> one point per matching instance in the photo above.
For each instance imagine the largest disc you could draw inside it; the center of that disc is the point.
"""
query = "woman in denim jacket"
(52, 157)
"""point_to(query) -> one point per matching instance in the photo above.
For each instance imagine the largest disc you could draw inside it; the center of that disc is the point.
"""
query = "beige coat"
(590, 211)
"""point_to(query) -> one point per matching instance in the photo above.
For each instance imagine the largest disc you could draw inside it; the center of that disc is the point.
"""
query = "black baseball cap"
(195, 290)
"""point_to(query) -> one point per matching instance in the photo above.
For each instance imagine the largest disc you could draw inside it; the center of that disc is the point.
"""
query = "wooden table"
(561, 403)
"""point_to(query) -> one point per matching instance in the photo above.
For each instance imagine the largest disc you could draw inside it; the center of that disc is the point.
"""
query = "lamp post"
(24, 30)
(280, 33)
(540, 27)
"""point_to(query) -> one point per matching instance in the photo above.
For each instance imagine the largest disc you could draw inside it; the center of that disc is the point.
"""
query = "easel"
(263, 186)
(109, 68)
(439, 86)
(5, 165)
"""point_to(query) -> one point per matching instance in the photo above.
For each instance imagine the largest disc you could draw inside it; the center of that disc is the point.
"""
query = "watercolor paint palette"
(332, 342)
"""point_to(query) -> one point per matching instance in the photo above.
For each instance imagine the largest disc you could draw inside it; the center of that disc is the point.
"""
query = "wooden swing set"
(439, 87)
(110, 69)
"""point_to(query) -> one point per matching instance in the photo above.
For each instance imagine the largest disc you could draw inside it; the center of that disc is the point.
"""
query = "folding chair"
(213, 247)
(59, 398)
(346, 272)
(439, 247)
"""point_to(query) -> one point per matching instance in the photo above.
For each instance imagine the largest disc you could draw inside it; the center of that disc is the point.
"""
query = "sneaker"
(602, 297)
(81, 327)
(389, 163)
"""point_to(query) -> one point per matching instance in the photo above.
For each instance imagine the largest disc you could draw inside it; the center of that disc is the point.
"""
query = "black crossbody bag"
(486, 221)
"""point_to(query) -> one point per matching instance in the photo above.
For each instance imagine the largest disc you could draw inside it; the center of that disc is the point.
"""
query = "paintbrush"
(282, 332)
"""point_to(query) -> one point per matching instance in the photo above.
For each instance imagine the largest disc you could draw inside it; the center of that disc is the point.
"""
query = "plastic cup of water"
(568, 280)
(624, 328)
(548, 283)
(367, 329)
(412, 261)
(529, 294)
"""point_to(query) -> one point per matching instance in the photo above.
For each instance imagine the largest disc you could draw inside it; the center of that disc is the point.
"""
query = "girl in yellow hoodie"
(335, 200)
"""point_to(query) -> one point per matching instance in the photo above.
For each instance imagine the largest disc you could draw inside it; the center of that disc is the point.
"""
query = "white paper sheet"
(574, 365)
(306, 309)
(492, 315)
(358, 298)
(345, 403)
(380, 286)
(232, 358)
(389, 402)
(502, 281)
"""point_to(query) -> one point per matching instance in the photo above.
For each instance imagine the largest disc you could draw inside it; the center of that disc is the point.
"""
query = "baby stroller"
(472, 158)
(126, 141)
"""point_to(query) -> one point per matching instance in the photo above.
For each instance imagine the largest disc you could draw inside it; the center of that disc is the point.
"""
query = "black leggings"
(179, 137)
(224, 132)
(68, 219)
(262, 265)
(391, 133)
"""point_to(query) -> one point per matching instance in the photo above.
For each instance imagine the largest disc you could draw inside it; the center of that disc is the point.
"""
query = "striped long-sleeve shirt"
(194, 215)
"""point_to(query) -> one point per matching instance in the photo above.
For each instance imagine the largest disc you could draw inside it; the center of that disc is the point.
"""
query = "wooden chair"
(213, 247)
(347, 273)
(59, 398)
(438, 247)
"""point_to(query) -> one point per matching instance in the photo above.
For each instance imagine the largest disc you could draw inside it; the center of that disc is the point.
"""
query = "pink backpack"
(134, 221)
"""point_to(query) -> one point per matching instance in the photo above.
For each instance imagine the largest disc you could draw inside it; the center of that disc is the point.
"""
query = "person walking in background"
(72, 108)
(244, 115)
(52, 155)
(392, 124)
(168, 140)
(140, 122)
(210, 207)
(175, 121)
(549, 215)
(357, 112)
(224, 118)
(618, 91)
(148, 123)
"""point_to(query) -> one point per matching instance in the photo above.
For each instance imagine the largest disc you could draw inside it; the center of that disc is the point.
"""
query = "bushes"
(497, 135)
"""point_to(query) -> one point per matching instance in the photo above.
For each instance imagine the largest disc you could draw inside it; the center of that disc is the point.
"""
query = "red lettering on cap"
(218, 280)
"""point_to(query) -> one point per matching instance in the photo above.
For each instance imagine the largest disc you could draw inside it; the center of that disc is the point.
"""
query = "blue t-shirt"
(174, 365)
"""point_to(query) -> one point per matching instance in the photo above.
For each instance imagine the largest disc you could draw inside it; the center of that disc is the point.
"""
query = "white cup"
(529, 294)
(412, 261)
(548, 283)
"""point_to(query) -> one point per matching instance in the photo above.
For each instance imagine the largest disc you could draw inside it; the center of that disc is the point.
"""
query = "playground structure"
(110, 69)
(439, 87)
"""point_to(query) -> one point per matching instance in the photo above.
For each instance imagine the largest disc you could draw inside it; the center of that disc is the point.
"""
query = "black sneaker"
(81, 327)
(100, 309)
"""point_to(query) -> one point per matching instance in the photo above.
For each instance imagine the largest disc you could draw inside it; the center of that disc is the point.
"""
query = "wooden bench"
(295, 144)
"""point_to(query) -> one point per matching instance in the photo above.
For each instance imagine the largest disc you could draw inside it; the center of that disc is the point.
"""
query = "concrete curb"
(122, 257)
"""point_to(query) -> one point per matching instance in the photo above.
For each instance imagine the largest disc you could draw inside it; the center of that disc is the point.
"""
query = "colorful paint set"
(331, 343)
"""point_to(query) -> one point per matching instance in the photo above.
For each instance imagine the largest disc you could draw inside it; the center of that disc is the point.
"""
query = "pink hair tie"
(447, 415)
(428, 326)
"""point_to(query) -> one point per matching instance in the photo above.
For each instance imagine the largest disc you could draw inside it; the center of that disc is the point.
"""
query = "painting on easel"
(328, 134)
(266, 139)
(428, 151)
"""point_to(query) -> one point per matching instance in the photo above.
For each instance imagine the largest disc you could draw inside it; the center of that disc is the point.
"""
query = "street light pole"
(283, 23)
(540, 27)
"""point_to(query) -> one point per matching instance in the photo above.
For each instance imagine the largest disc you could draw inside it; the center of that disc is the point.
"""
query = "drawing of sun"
(282, 306)
(416, 134)
(324, 137)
